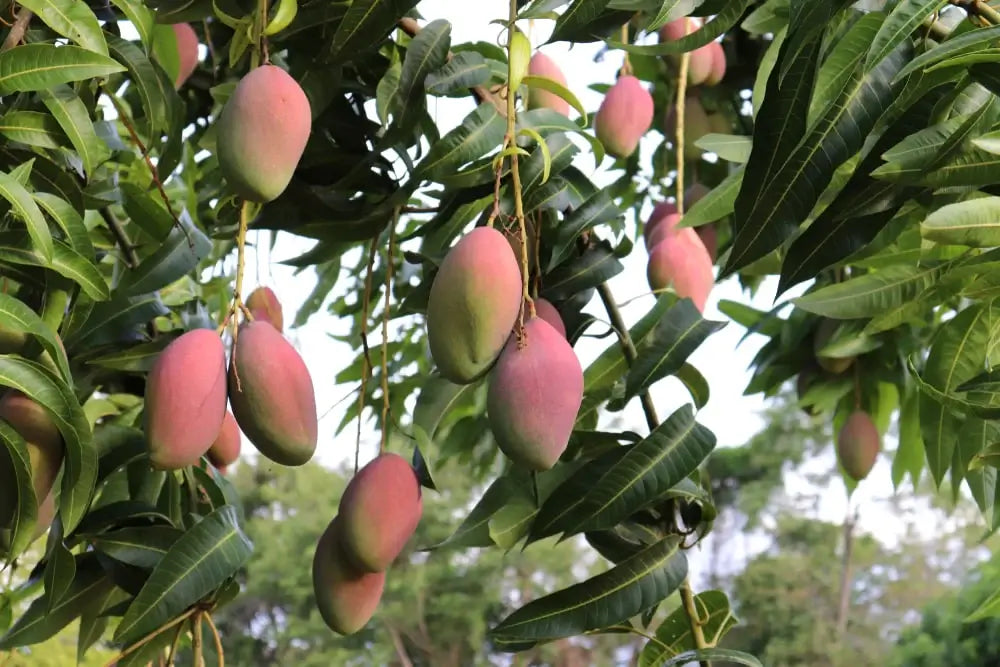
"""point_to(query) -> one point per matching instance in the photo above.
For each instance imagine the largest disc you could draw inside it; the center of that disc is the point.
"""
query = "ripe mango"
(534, 395)
(624, 116)
(542, 65)
(185, 399)
(187, 52)
(274, 402)
(681, 260)
(676, 29)
(663, 229)
(262, 133)
(696, 125)
(473, 304)
(379, 512)
(701, 64)
(45, 450)
(226, 448)
(345, 596)
(717, 71)
(824, 332)
(858, 444)
(545, 310)
(263, 304)
(660, 211)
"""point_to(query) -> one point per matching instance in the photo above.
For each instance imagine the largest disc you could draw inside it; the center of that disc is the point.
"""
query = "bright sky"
(732, 416)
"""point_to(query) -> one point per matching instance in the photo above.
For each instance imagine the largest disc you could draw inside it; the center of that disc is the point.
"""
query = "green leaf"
(141, 17)
(727, 17)
(179, 254)
(556, 88)
(870, 294)
(902, 21)
(155, 94)
(142, 547)
(68, 219)
(72, 116)
(729, 147)
(16, 316)
(673, 636)
(33, 128)
(786, 199)
(625, 590)
(547, 121)
(136, 359)
(80, 472)
(438, 399)
(580, 14)
(71, 19)
(25, 515)
(843, 61)
(695, 383)
(706, 654)
(60, 569)
(27, 210)
(717, 204)
(480, 132)
(661, 460)
(974, 223)
(909, 456)
(197, 563)
(40, 66)
(16, 248)
(40, 622)
(365, 25)
(427, 52)
(990, 608)
(678, 334)
(596, 265)
(465, 70)
(597, 210)
(964, 43)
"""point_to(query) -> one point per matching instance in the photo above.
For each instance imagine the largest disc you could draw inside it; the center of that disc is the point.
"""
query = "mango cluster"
(378, 514)
(267, 385)
(46, 452)
(678, 257)
(706, 64)
(535, 384)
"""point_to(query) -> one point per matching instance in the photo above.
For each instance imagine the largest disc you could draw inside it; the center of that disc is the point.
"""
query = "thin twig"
(682, 78)
(121, 237)
(366, 363)
(385, 334)
(152, 635)
(218, 640)
(628, 348)
(17, 30)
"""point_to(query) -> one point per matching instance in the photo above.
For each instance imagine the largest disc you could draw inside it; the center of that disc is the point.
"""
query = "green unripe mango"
(824, 333)
(272, 395)
(45, 451)
(379, 512)
(345, 596)
(858, 445)
(262, 133)
(185, 399)
(534, 395)
(473, 304)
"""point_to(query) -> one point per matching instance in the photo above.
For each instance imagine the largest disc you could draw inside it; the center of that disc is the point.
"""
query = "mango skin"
(185, 399)
(345, 597)
(473, 304)
(663, 229)
(717, 70)
(542, 65)
(45, 451)
(701, 64)
(678, 28)
(681, 260)
(379, 512)
(697, 123)
(858, 445)
(534, 396)
(274, 402)
(187, 52)
(12, 341)
(660, 211)
(824, 332)
(262, 133)
(226, 448)
(263, 304)
(545, 310)
(625, 115)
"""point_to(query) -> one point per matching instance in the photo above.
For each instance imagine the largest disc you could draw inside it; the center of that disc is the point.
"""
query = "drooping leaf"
(974, 223)
(480, 132)
(870, 294)
(179, 254)
(70, 112)
(71, 19)
(40, 66)
(365, 24)
(25, 514)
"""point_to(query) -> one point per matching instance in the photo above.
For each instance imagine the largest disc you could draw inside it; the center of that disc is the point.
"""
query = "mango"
(545, 310)
(187, 52)
(660, 211)
(185, 399)
(11, 341)
(858, 445)
(345, 596)
(824, 332)
(273, 401)
(262, 133)
(625, 115)
(717, 71)
(682, 27)
(534, 395)
(45, 450)
(379, 512)
(682, 261)
(662, 230)
(544, 66)
(701, 65)
(226, 448)
(696, 125)
(263, 304)
(473, 304)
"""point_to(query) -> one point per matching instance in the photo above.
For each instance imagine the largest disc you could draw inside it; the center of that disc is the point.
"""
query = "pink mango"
(681, 260)
(624, 117)
(660, 211)
(538, 98)
(545, 310)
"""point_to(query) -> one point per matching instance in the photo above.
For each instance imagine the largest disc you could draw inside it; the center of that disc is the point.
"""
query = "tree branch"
(17, 30)
(121, 238)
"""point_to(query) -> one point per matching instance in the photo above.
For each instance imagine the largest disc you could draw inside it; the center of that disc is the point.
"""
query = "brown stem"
(682, 78)
(481, 93)
(397, 644)
(385, 335)
(17, 30)
(145, 640)
(217, 639)
(121, 238)
(196, 642)
(985, 11)
(691, 611)
(366, 363)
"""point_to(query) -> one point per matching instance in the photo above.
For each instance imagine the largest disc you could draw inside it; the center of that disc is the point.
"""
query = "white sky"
(733, 417)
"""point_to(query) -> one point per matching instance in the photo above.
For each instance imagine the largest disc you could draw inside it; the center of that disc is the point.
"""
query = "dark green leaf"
(40, 66)
(72, 116)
